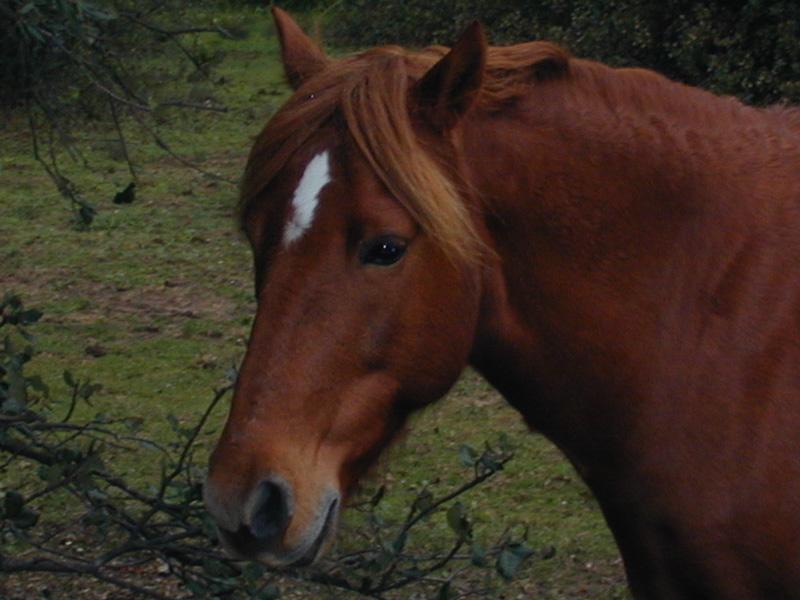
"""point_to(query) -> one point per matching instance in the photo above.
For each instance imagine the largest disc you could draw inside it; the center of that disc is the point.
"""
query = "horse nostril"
(269, 511)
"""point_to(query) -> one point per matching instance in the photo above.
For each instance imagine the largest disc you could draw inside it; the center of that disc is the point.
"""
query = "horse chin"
(312, 545)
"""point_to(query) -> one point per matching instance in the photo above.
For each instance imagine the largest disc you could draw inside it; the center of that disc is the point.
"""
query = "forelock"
(367, 94)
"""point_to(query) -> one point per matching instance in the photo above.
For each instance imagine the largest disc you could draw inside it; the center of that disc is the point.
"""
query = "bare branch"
(121, 137)
(45, 565)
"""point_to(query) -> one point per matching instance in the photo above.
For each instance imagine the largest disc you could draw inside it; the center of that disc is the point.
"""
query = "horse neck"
(608, 226)
(646, 256)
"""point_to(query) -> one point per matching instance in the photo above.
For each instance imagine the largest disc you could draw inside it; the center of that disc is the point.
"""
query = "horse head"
(367, 281)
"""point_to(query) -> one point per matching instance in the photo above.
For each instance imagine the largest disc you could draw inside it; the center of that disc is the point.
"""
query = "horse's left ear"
(302, 58)
(450, 87)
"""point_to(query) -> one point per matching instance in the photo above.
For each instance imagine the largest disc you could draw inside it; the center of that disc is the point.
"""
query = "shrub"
(65, 64)
(121, 532)
(749, 48)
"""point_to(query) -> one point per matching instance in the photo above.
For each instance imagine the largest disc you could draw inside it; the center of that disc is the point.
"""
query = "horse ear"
(450, 87)
(302, 58)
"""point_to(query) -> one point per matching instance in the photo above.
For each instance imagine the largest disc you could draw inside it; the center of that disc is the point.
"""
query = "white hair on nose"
(306, 196)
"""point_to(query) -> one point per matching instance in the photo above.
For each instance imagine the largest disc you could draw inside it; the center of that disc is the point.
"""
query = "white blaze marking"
(306, 197)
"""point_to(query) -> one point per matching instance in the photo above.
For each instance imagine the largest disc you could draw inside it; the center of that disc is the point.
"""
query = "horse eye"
(382, 251)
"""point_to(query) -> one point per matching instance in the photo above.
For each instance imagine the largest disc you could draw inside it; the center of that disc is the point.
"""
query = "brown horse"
(617, 253)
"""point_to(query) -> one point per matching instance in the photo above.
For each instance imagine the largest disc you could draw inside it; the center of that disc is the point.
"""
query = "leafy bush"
(69, 63)
(749, 48)
(68, 509)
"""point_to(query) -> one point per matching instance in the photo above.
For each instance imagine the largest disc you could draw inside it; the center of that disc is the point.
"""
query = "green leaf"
(457, 520)
(97, 518)
(547, 552)
(93, 463)
(30, 316)
(97, 495)
(69, 379)
(505, 443)
(521, 549)
(11, 300)
(423, 501)
(133, 424)
(216, 568)
(197, 589)
(467, 455)
(126, 196)
(86, 215)
(26, 519)
(12, 406)
(89, 389)
(478, 554)
(39, 385)
(52, 474)
(173, 423)
(33, 32)
(193, 493)
(99, 15)
(84, 476)
(253, 571)
(13, 504)
(210, 528)
(17, 393)
(511, 558)
(413, 573)
(489, 463)
(270, 592)
(445, 592)
(70, 455)
(383, 559)
(507, 564)
(400, 542)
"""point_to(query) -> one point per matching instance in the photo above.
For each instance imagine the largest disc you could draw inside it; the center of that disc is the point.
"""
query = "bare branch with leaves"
(123, 529)
(69, 63)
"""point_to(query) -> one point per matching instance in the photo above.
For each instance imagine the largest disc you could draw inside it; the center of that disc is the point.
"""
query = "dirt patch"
(174, 299)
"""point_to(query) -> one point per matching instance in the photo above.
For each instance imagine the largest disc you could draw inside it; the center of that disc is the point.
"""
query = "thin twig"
(192, 105)
(45, 565)
(174, 32)
(121, 137)
(166, 148)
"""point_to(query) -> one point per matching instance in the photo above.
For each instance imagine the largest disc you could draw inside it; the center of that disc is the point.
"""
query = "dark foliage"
(66, 64)
(748, 48)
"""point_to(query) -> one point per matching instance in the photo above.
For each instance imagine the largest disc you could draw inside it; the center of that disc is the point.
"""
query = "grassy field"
(154, 302)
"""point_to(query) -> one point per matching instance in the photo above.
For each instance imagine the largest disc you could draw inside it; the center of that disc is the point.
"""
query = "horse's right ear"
(302, 58)
(450, 87)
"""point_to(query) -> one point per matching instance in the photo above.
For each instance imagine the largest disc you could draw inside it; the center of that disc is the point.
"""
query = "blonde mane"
(369, 92)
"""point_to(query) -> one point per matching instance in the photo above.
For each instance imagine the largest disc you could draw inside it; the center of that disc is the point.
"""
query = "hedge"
(750, 49)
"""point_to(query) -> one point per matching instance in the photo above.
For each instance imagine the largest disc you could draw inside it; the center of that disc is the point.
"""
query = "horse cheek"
(444, 328)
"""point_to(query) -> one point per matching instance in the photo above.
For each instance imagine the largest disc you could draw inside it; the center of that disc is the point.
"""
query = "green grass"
(164, 288)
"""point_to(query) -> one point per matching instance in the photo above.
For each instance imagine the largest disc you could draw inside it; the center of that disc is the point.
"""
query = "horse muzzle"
(270, 526)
